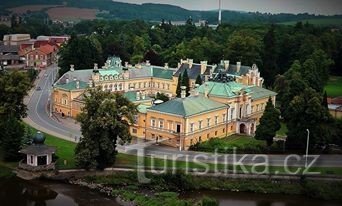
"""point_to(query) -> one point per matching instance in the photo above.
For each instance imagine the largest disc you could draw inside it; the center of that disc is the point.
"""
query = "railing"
(27, 167)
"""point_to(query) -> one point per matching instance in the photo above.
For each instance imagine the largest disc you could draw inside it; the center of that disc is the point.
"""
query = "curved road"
(38, 117)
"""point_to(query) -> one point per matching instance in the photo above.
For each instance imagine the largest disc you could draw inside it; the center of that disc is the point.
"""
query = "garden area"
(333, 88)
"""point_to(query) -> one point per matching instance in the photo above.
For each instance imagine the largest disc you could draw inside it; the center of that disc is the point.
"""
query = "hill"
(108, 9)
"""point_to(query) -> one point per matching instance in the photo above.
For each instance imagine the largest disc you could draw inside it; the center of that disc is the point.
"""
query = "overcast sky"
(274, 6)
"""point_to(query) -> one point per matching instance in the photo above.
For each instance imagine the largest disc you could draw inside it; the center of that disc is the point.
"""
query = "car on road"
(38, 89)
(45, 75)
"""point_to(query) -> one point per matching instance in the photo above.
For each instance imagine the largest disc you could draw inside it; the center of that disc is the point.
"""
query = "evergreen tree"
(105, 118)
(270, 55)
(179, 84)
(325, 100)
(269, 124)
(198, 80)
(186, 82)
(305, 111)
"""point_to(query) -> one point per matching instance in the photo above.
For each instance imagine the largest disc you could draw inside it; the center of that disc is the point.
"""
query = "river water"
(15, 192)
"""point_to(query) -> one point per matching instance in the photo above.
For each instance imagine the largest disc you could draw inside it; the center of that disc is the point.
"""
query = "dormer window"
(101, 78)
(110, 77)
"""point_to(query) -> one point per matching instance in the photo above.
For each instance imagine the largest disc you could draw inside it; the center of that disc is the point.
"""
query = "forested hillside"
(156, 12)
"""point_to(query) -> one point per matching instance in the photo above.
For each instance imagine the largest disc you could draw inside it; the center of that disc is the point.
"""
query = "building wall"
(63, 102)
(337, 114)
(192, 129)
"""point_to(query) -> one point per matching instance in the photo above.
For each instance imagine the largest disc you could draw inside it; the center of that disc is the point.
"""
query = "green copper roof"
(108, 72)
(188, 106)
(259, 92)
(143, 108)
(132, 97)
(72, 85)
(229, 89)
(162, 73)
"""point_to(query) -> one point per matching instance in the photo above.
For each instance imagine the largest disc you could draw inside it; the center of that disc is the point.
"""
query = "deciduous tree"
(104, 120)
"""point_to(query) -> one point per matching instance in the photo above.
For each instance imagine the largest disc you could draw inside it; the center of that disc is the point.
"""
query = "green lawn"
(334, 86)
(318, 22)
(283, 130)
(65, 150)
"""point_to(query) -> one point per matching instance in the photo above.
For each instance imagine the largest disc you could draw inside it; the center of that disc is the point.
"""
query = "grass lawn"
(334, 86)
(65, 150)
(283, 130)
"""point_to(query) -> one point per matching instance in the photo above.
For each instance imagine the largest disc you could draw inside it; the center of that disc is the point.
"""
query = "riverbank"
(164, 189)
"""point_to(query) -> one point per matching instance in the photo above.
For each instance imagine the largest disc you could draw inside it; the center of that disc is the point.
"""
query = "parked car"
(38, 88)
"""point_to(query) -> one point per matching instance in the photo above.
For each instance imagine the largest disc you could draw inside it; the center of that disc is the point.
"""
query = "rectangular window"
(135, 119)
(216, 120)
(208, 122)
(200, 124)
(153, 123)
(231, 113)
(224, 118)
(215, 133)
(134, 131)
(161, 124)
(192, 127)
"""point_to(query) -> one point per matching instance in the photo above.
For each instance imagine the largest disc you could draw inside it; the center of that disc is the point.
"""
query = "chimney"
(206, 90)
(148, 63)
(190, 62)
(196, 89)
(166, 65)
(226, 65)
(138, 66)
(90, 83)
(143, 95)
(137, 96)
(203, 66)
(67, 80)
(220, 13)
(238, 67)
(183, 92)
(96, 67)
(126, 64)
(77, 84)
(179, 65)
(72, 68)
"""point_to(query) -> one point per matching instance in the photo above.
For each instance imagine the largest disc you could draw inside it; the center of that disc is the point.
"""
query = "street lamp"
(307, 148)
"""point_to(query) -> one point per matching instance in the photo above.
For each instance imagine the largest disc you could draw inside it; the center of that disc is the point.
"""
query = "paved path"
(38, 117)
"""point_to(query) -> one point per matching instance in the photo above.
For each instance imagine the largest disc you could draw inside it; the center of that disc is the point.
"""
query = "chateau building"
(231, 100)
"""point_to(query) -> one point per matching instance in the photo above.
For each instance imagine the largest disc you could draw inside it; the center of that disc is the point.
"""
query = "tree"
(269, 124)
(11, 136)
(104, 120)
(305, 111)
(199, 80)
(179, 84)
(270, 55)
(242, 46)
(186, 82)
(325, 100)
(14, 87)
(81, 52)
(162, 96)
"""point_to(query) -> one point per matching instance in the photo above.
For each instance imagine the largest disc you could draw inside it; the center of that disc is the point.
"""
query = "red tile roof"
(47, 49)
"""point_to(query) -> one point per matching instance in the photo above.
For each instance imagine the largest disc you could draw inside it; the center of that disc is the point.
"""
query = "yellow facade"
(241, 114)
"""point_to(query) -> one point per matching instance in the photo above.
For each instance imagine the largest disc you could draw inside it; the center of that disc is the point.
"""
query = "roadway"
(39, 117)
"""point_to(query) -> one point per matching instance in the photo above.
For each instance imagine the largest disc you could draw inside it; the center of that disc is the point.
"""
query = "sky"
(327, 7)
